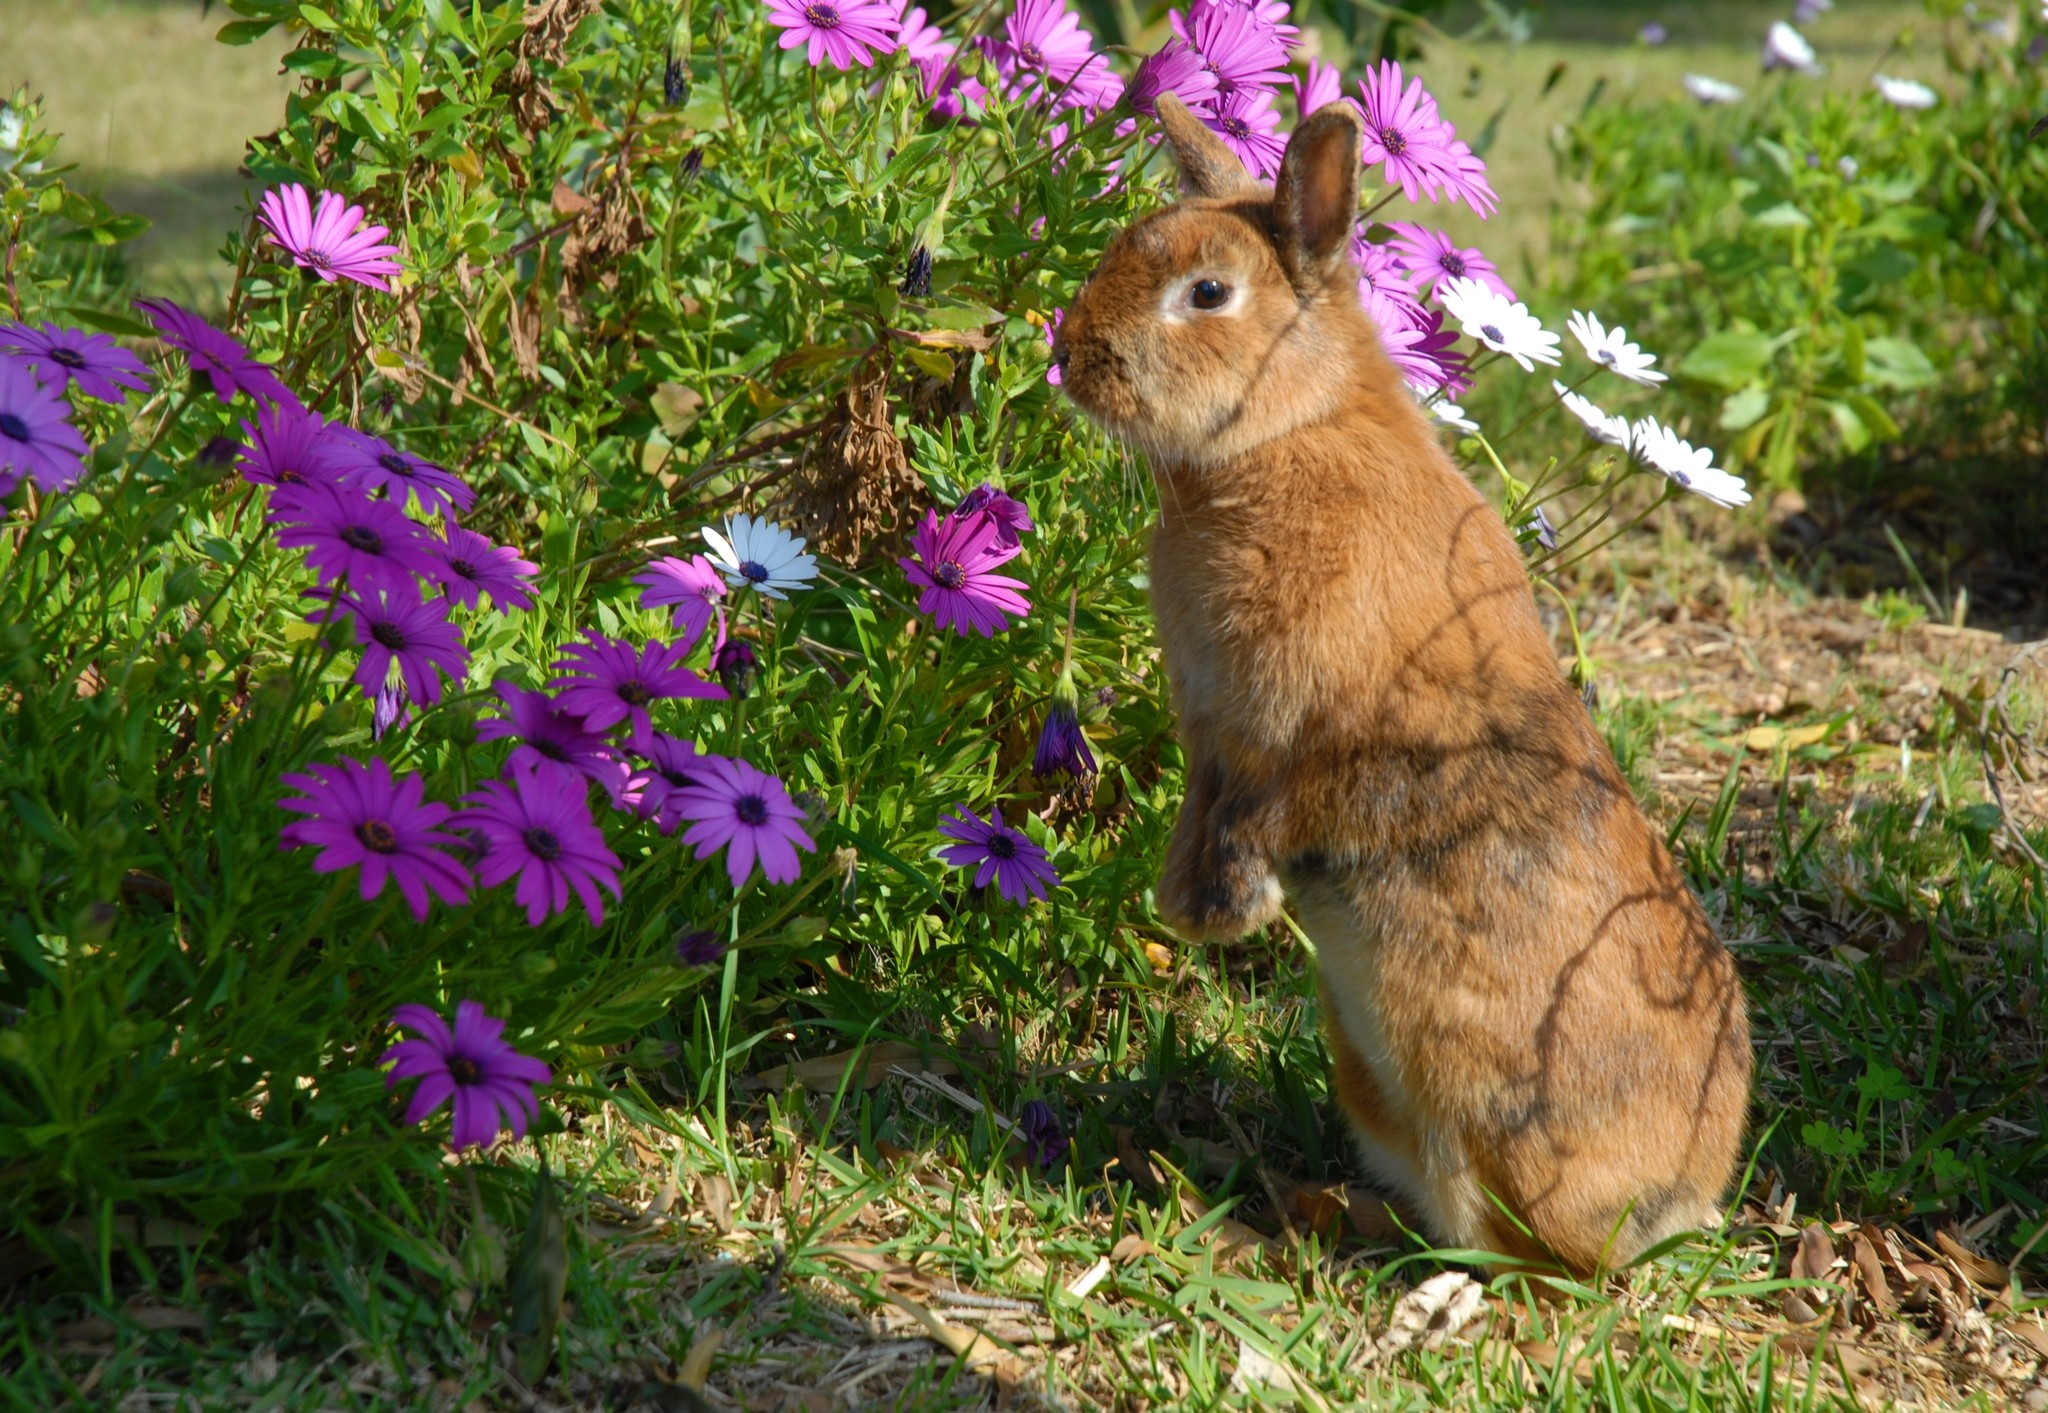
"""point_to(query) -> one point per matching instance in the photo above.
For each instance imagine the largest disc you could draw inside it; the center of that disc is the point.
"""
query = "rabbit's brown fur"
(1526, 1004)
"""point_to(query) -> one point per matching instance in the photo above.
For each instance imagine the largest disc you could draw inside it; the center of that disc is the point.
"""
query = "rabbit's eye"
(1208, 294)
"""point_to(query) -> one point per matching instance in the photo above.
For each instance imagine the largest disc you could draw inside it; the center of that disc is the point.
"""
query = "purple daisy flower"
(699, 949)
(468, 566)
(1383, 287)
(346, 535)
(93, 363)
(548, 736)
(998, 852)
(373, 464)
(845, 32)
(616, 681)
(1404, 130)
(327, 241)
(390, 709)
(536, 825)
(954, 557)
(288, 446)
(693, 587)
(36, 435)
(1047, 56)
(1465, 177)
(1237, 49)
(747, 813)
(1428, 256)
(733, 662)
(399, 628)
(1173, 68)
(362, 817)
(1045, 1140)
(1062, 745)
(918, 37)
(1427, 355)
(1323, 85)
(1012, 519)
(948, 92)
(491, 1083)
(671, 764)
(229, 366)
(1249, 125)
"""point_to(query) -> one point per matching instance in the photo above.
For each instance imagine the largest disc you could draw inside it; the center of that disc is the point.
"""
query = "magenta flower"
(1383, 286)
(288, 446)
(36, 435)
(548, 736)
(949, 94)
(954, 557)
(399, 628)
(1428, 256)
(1324, 85)
(672, 764)
(346, 535)
(1465, 178)
(1249, 125)
(1045, 1141)
(845, 32)
(1062, 745)
(536, 825)
(93, 363)
(1404, 130)
(390, 709)
(606, 681)
(491, 1083)
(362, 817)
(468, 566)
(328, 241)
(747, 813)
(373, 464)
(919, 38)
(996, 851)
(1173, 68)
(1047, 57)
(229, 366)
(1012, 519)
(1052, 334)
(693, 587)
(1237, 49)
(1427, 355)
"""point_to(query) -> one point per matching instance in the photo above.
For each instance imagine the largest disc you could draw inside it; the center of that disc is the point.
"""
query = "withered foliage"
(854, 495)
(549, 23)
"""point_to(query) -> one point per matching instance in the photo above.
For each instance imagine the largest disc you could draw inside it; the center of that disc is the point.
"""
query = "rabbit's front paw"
(1218, 892)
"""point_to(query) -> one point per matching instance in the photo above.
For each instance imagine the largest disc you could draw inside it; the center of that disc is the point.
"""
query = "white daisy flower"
(1606, 428)
(1711, 90)
(1688, 466)
(1502, 324)
(1905, 93)
(762, 554)
(1611, 349)
(1786, 48)
(1848, 166)
(1452, 415)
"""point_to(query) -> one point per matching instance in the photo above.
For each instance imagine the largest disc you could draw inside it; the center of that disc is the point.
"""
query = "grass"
(743, 1219)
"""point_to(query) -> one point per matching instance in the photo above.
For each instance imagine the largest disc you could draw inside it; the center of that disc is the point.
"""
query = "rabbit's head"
(1231, 317)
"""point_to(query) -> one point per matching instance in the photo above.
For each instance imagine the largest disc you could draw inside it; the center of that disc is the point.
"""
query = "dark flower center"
(67, 358)
(543, 844)
(1237, 128)
(318, 258)
(1681, 478)
(751, 809)
(464, 1071)
(288, 477)
(822, 16)
(462, 568)
(362, 537)
(1393, 140)
(1606, 355)
(676, 779)
(377, 836)
(394, 463)
(949, 575)
(13, 428)
(635, 693)
(1453, 263)
(1003, 846)
(1492, 333)
(753, 571)
(553, 750)
(389, 635)
(1031, 54)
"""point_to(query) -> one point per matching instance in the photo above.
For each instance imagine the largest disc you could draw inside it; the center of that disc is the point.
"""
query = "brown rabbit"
(1533, 1023)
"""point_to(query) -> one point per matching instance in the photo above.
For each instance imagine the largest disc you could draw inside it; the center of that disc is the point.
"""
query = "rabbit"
(1537, 1037)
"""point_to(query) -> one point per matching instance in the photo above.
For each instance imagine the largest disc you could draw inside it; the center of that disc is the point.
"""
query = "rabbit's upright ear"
(1315, 200)
(1207, 166)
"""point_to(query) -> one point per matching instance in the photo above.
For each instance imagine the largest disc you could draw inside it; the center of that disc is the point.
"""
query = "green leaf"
(1855, 436)
(319, 19)
(1744, 409)
(1782, 217)
(1899, 363)
(104, 321)
(1874, 416)
(1730, 359)
(240, 32)
(540, 1273)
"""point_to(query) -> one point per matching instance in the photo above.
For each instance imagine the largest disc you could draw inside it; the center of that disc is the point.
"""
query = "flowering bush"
(1824, 259)
(568, 569)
